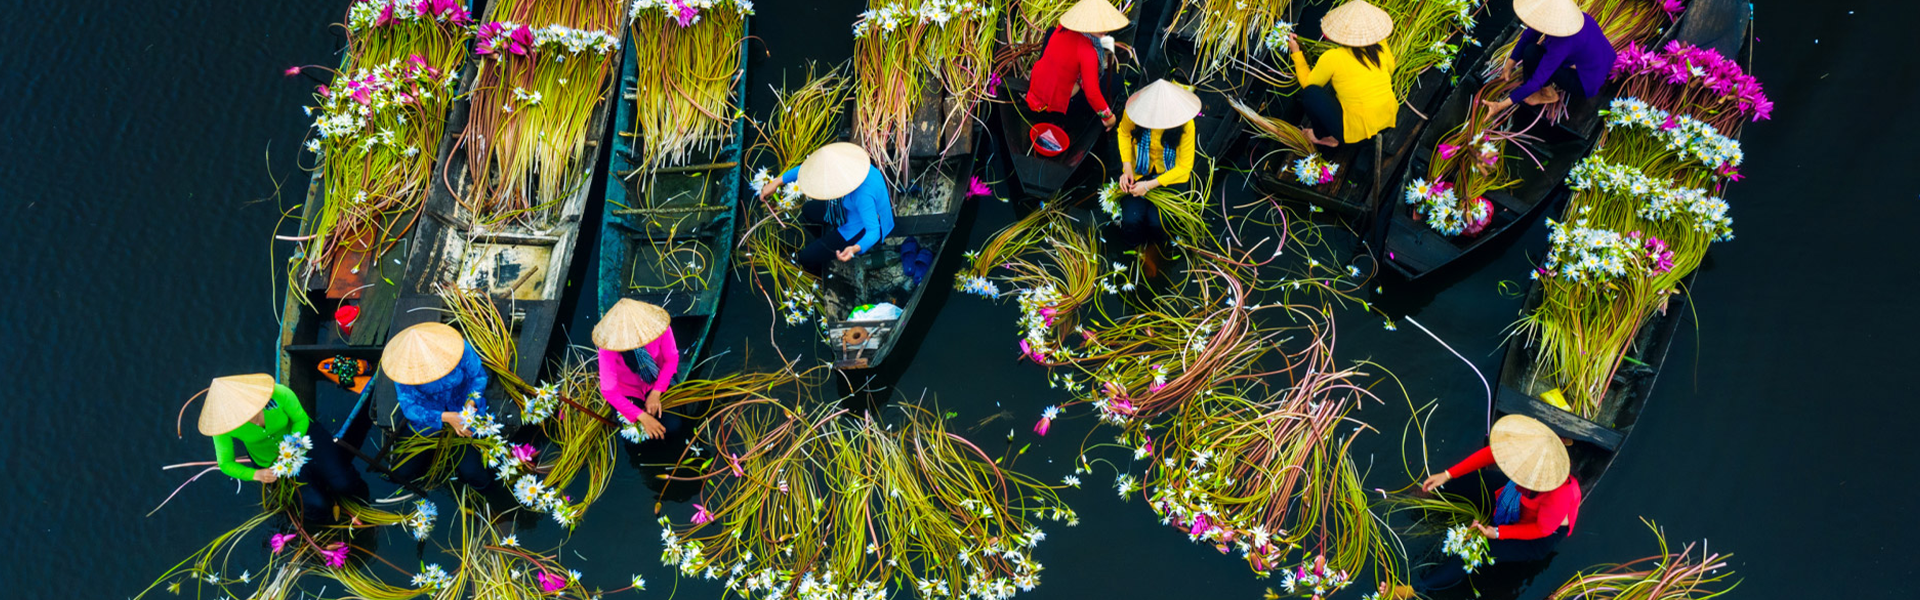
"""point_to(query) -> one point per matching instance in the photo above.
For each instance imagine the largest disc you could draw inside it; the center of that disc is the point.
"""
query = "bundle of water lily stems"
(543, 71)
(1053, 266)
(903, 49)
(1670, 575)
(1237, 34)
(687, 60)
(804, 121)
(1467, 163)
(1642, 215)
(1268, 472)
(819, 504)
(379, 124)
(1423, 36)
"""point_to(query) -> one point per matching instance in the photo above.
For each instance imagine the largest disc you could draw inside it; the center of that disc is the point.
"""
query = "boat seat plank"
(1567, 424)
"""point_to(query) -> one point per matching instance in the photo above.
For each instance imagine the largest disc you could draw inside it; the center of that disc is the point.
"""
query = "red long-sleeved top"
(1069, 59)
(1540, 512)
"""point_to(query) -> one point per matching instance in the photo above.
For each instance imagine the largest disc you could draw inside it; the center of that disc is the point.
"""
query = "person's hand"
(265, 476)
(1486, 530)
(769, 188)
(1507, 69)
(653, 403)
(459, 425)
(1497, 105)
(846, 254)
(652, 427)
(1109, 120)
(1293, 43)
(1140, 188)
(1126, 179)
(1435, 481)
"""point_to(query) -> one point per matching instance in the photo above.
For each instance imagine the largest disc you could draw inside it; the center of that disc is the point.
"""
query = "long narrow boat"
(1412, 248)
(1365, 168)
(1723, 25)
(667, 234)
(312, 343)
(1042, 176)
(927, 210)
(522, 264)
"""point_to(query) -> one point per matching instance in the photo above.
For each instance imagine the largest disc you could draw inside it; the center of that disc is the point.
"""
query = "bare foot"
(1545, 95)
(1327, 141)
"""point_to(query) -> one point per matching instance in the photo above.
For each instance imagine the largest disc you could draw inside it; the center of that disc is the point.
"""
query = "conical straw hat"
(1357, 24)
(233, 400)
(1094, 16)
(422, 353)
(1558, 18)
(834, 170)
(630, 324)
(1529, 453)
(1162, 104)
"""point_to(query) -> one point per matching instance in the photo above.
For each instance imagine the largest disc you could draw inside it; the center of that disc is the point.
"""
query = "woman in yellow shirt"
(1166, 110)
(1348, 94)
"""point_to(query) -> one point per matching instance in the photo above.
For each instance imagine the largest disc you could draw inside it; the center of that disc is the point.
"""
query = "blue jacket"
(422, 404)
(869, 208)
(1588, 51)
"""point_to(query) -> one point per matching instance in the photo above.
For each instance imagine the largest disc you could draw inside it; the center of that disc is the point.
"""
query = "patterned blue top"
(869, 208)
(422, 404)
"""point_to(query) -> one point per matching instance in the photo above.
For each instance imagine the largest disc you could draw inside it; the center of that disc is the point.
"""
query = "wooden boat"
(1412, 248)
(1172, 57)
(522, 265)
(658, 220)
(927, 210)
(1720, 24)
(1366, 168)
(311, 341)
(1043, 176)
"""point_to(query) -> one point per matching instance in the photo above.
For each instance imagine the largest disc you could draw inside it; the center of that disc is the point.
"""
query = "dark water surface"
(145, 143)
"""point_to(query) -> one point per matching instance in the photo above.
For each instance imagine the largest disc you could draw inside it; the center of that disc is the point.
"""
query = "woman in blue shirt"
(436, 374)
(849, 199)
(1562, 51)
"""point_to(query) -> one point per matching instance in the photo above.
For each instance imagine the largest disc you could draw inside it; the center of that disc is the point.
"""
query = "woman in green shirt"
(258, 413)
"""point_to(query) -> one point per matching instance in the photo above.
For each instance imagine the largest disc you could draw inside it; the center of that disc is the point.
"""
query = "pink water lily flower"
(1042, 427)
(733, 462)
(1673, 8)
(687, 16)
(525, 453)
(551, 583)
(337, 555)
(292, 71)
(993, 85)
(700, 515)
(1149, 447)
(279, 541)
(1448, 150)
(522, 40)
(323, 91)
(976, 187)
(385, 18)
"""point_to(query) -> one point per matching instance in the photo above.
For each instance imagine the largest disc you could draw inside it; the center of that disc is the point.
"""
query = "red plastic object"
(344, 317)
(1048, 139)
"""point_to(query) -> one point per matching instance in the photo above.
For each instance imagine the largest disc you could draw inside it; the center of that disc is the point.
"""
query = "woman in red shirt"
(1070, 64)
(1536, 502)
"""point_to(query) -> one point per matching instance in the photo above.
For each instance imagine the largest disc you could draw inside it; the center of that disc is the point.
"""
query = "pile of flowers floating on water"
(420, 522)
(542, 404)
(1467, 544)
(1314, 579)
(1314, 170)
(293, 455)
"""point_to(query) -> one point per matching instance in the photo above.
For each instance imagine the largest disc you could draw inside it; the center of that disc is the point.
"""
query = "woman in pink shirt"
(638, 361)
(1535, 504)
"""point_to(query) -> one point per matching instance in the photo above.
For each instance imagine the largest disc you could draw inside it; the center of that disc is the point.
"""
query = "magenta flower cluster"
(1684, 64)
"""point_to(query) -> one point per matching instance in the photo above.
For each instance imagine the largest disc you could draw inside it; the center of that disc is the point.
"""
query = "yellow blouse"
(1182, 168)
(1367, 101)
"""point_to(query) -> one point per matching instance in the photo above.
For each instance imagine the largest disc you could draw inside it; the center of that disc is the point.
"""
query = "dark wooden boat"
(310, 340)
(523, 265)
(1172, 57)
(1043, 176)
(658, 220)
(1412, 248)
(1720, 24)
(927, 209)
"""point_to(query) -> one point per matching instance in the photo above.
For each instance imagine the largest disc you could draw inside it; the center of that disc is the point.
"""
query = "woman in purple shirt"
(1562, 50)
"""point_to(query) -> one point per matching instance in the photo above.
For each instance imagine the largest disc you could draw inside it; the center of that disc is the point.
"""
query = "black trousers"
(470, 468)
(820, 251)
(1566, 77)
(328, 474)
(1479, 487)
(1323, 109)
(1140, 222)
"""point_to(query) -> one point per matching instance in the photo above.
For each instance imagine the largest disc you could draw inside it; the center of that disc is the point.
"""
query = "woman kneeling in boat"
(638, 361)
(1536, 505)
(1071, 63)
(1562, 50)
(259, 413)
(1348, 93)
(1165, 152)
(849, 199)
(436, 375)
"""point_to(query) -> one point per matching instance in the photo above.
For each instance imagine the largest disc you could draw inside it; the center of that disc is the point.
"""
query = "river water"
(146, 143)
